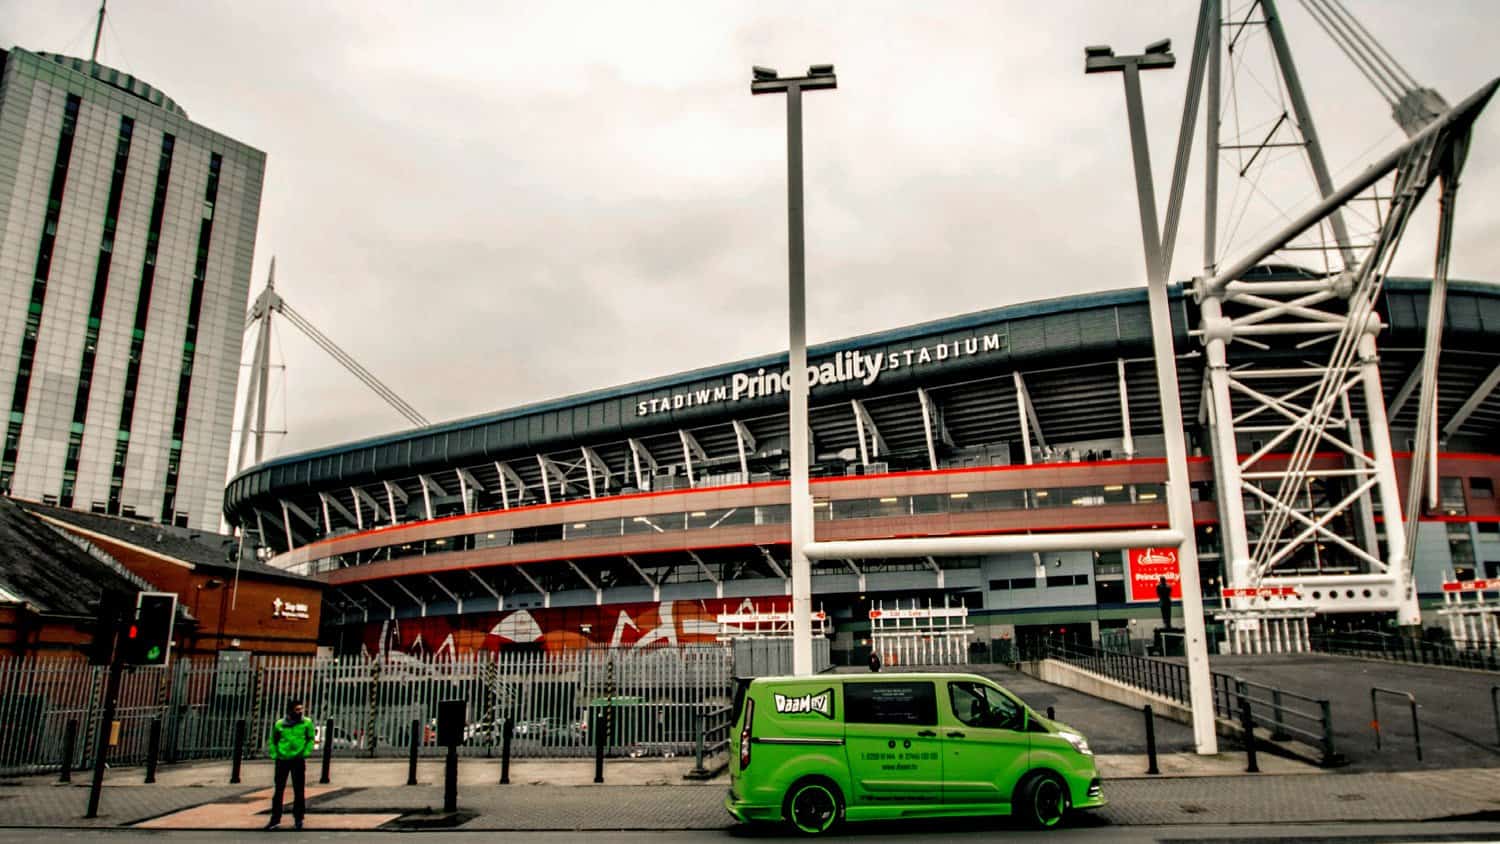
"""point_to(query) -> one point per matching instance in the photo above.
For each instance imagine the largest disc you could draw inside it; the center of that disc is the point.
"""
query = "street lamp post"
(1179, 497)
(766, 81)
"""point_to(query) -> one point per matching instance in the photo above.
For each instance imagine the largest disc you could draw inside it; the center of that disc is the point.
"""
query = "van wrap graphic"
(820, 703)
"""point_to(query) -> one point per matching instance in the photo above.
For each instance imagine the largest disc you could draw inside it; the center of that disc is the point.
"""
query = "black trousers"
(297, 769)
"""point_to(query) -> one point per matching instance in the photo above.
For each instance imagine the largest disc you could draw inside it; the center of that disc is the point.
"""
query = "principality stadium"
(656, 512)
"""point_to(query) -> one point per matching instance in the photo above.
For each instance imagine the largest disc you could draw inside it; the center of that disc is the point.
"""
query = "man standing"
(292, 739)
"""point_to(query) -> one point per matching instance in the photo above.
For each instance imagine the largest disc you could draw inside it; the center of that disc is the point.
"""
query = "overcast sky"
(493, 203)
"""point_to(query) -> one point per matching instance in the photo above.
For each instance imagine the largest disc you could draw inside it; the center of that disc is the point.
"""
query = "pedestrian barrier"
(1411, 699)
(713, 738)
(1398, 648)
(377, 706)
(1285, 714)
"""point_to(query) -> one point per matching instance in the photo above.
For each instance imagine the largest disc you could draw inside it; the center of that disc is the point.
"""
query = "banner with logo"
(1147, 566)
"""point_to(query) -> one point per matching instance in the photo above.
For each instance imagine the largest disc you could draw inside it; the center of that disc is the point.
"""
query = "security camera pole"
(1179, 498)
(765, 81)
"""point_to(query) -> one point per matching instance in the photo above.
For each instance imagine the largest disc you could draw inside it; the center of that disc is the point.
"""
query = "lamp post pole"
(766, 81)
(1179, 496)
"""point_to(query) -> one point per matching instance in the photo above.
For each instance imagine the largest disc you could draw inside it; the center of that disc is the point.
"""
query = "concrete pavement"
(643, 795)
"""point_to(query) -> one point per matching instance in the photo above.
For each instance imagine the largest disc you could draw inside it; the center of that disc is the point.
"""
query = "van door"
(891, 733)
(986, 749)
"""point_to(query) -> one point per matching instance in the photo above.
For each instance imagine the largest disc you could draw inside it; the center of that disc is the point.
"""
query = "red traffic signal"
(148, 640)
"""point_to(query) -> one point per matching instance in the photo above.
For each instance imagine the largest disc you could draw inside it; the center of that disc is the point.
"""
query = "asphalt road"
(1455, 718)
(1345, 833)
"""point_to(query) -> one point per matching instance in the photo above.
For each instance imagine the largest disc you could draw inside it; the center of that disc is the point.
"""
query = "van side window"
(978, 705)
(890, 703)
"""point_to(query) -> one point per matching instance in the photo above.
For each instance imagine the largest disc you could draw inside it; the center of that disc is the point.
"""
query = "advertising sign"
(1147, 565)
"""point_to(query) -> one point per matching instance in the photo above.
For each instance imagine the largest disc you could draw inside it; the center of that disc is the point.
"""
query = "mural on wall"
(637, 625)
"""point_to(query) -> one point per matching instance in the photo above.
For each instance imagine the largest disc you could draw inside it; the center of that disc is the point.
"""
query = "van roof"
(912, 675)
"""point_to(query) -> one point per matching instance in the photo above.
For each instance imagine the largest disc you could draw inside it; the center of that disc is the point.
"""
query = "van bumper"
(1090, 795)
(745, 811)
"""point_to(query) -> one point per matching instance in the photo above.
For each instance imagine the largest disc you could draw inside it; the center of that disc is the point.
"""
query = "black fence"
(1397, 648)
(1284, 715)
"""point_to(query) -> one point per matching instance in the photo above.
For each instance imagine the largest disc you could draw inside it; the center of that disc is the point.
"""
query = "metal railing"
(657, 695)
(1398, 648)
(1285, 715)
(713, 729)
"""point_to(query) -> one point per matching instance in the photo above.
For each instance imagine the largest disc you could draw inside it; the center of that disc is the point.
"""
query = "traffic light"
(110, 610)
(148, 636)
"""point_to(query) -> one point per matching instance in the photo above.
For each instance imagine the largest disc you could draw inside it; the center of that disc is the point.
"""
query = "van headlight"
(1079, 743)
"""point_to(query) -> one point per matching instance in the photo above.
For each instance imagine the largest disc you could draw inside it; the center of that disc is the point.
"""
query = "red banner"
(1147, 567)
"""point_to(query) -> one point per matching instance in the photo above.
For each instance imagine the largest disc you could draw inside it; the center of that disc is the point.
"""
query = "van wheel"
(813, 806)
(1042, 801)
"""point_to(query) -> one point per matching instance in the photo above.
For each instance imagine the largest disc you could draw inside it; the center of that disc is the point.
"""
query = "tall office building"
(126, 238)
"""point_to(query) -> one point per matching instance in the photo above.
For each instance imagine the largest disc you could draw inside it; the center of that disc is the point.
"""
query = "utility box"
(450, 729)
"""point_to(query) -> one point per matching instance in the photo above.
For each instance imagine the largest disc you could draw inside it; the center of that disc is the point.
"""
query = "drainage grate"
(1193, 809)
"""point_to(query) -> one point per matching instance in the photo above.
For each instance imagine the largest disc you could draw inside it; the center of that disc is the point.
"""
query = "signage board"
(1471, 585)
(1147, 565)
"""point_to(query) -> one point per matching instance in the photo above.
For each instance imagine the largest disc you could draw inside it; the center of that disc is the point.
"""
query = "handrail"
(1403, 649)
(1311, 722)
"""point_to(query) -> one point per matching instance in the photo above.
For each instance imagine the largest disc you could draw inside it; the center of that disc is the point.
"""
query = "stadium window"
(1023, 583)
(1482, 487)
(1451, 496)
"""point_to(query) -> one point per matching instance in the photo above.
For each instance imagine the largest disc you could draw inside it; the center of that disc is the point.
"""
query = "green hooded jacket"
(292, 741)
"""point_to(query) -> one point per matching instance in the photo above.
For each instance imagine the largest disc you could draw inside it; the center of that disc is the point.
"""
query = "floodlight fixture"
(820, 70)
(764, 74)
(1099, 51)
(1159, 47)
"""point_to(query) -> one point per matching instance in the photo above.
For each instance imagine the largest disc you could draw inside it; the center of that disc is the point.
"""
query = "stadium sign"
(855, 365)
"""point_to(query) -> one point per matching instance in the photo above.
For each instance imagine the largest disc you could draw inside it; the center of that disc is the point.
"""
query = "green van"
(812, 751)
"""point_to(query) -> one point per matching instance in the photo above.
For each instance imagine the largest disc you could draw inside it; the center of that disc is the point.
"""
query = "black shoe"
(273, 825)
(299, 824)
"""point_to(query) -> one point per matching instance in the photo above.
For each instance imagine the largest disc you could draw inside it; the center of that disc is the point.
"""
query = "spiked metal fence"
(656, 696)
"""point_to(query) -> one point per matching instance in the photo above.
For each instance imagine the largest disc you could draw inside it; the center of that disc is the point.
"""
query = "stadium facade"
(126, 238)
(644, 513)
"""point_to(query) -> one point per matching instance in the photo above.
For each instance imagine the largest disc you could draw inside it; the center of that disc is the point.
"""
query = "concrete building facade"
(127, 233)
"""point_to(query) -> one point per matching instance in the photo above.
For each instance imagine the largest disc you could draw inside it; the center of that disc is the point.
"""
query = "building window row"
(17, 418)
(708, 519)
(138, 327)
(96, 311)
(169, 514)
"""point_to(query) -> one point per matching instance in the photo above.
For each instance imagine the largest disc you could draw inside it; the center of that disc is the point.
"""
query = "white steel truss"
(1295, 510)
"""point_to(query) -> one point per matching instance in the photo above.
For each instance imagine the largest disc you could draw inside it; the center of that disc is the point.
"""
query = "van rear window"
(890, 703)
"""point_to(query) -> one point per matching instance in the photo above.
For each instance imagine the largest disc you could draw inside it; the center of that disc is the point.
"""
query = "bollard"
(411, 760)
(1330, 755)
(1051, 714)
(510, 727)
(239, 752)
(70, 740)
(1247, 723)
(698, 769)
(327, 750)
(1150, 740)
(153, 748)
(1495, 705)
(598, 747)
(450, 780)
